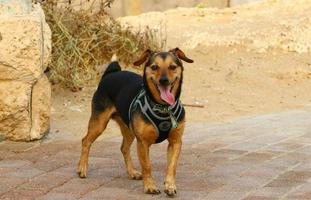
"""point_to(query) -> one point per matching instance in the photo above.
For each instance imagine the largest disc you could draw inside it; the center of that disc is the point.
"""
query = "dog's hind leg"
(128, 138)
(97, 125)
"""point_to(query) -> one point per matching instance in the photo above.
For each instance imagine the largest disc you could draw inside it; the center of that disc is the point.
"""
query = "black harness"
(163, 117)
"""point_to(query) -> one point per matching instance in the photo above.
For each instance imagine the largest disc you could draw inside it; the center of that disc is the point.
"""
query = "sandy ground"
(225, 94)
(249, 60)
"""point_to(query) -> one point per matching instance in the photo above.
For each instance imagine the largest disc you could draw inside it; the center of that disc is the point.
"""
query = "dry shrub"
(82, 40)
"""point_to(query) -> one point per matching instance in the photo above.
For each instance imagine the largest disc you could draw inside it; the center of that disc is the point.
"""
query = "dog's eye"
(172, 67)
(154, 67)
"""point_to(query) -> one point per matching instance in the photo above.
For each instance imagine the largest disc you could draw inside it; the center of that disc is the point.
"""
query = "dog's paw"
(170, 189)
(82, 170)
(135, 175)
(151, 188)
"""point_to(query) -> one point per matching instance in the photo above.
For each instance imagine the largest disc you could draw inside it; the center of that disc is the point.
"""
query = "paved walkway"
(258, 158)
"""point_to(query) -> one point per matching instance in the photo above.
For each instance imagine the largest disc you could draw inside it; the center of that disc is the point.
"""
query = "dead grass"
(83, 40)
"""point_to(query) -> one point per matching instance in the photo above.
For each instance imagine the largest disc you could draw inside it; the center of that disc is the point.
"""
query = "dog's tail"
(113, 66)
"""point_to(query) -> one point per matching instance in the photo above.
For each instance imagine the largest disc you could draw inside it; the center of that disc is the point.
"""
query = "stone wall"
(131, 7)
(134, 7)
(25, 93)
(239, 2)
(270, 25)
(123, 8)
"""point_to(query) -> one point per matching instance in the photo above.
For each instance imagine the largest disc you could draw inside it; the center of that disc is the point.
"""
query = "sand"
(249, 60)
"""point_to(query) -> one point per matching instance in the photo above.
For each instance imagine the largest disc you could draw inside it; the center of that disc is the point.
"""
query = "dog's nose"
(164, 80)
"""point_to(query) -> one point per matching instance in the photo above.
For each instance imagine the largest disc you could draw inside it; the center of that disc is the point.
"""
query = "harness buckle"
(166, 109)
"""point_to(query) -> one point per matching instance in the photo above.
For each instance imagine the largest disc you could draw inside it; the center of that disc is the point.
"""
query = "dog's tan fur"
(154, 75)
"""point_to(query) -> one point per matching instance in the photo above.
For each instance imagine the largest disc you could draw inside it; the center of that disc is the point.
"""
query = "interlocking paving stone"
(259, 198)
(14, 164)
(26, 172)
(57, 196)
(284, 183)
(251, 158)
(270, 192)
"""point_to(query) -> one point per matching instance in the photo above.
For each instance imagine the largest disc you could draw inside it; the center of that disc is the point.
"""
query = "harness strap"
(163, 118)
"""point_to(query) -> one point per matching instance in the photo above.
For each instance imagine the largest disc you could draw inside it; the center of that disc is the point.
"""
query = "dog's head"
(163, 74)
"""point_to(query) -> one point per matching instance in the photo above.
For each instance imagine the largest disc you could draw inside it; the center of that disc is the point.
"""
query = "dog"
(146, 108)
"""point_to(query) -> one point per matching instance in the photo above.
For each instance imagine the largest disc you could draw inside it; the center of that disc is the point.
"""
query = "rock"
(23, 57)
(133, 7)
(257, 27)
(40, 108)
(239, 2)
(15, 122)
(15, 7)
(25, 92)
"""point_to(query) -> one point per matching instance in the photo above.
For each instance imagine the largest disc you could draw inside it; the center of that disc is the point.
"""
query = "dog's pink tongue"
(166, 95)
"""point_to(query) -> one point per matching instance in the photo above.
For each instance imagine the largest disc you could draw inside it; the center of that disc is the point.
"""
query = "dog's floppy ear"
(181, 55)
(143, 58)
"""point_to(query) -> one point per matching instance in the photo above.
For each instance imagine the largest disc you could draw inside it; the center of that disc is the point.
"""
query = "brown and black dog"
(146, 108)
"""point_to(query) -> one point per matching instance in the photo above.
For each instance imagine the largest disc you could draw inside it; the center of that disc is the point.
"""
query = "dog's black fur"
(119, 88)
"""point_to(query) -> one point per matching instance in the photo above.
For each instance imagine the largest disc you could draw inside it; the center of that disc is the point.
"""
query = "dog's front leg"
(173, 151)
(143, 154)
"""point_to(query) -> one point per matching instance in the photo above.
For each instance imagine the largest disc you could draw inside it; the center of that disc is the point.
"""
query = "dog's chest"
(163, 118)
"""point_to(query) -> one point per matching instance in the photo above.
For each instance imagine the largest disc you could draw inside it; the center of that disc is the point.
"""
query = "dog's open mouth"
(166, 93)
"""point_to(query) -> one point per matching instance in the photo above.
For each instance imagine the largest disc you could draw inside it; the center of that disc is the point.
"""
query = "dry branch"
(83, 40)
